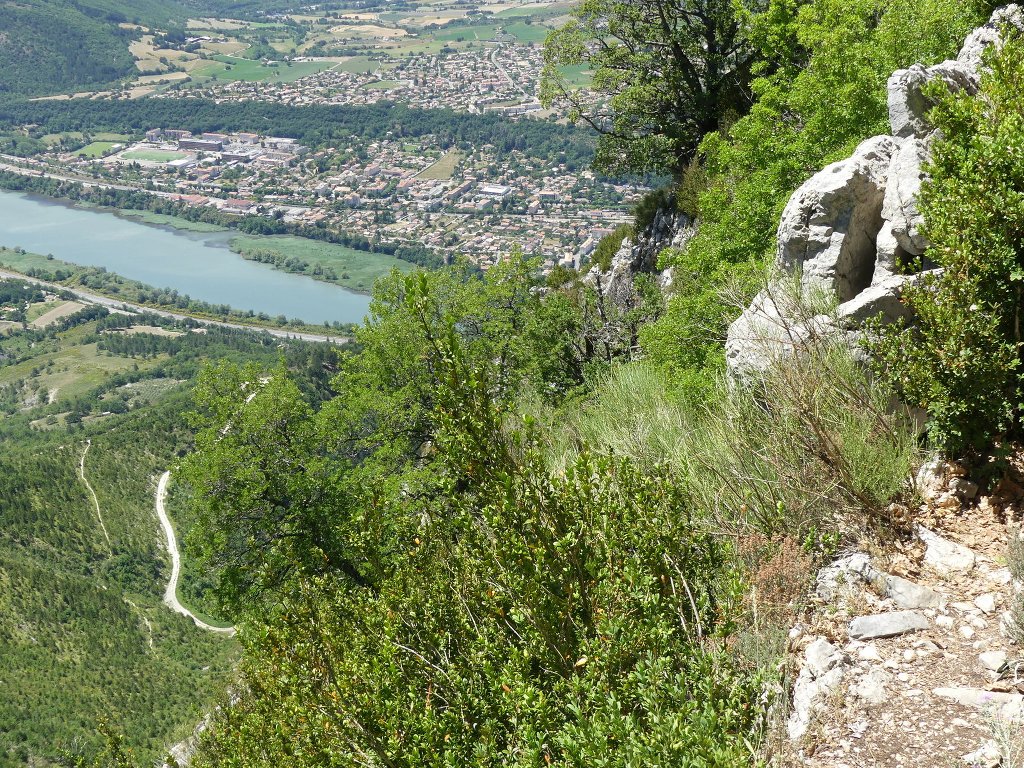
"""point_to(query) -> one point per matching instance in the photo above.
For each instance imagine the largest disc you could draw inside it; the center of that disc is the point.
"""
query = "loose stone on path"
(893, 624)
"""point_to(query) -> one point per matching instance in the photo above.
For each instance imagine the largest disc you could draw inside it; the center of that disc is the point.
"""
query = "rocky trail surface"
(909, 658)
(171, 593)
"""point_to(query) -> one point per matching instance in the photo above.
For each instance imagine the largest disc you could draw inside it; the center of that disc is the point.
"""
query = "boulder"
(846, 230)
(823, 670)
(821, 656)
(907, 594)
(845, 572)
(988, 755)
(871, 688)
(993, 661)
(829, 227)
(908, 104)
(943, 556)
(1007, 706)
(893, 624)
(879, 300)
(765, 334)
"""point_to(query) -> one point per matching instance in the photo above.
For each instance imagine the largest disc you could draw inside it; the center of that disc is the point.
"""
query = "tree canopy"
(667, 71)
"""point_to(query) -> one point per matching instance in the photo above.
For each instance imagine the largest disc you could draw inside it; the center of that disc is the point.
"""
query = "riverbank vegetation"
(334, 263)
(99, 281)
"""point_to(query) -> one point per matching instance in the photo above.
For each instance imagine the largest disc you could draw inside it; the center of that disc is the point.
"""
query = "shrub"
(962, 359)
(609, 246)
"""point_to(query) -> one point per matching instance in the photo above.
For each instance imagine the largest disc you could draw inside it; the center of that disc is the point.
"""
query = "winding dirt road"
(171, 593)
(95, 500)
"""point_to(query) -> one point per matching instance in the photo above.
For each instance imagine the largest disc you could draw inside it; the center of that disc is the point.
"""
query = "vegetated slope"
(52, 46)
(506, 541)
(84, 635)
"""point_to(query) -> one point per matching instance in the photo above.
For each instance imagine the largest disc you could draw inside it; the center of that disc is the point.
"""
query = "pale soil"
(171, 593)
(55, 314)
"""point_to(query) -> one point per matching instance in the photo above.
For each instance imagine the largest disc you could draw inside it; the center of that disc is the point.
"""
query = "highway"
(117, 304)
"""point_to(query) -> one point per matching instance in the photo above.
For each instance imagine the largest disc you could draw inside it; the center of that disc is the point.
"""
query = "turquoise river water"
(198, 264)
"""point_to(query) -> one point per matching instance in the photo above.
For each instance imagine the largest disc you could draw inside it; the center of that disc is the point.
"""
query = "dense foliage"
(420, 588)
(314, 125)
(666, 73)
(54, 46)
(963, 358)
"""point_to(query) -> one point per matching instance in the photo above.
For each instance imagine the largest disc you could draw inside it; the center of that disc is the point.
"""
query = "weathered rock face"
(639, 255)
(899, 205)
(830, 225)
(847, 228)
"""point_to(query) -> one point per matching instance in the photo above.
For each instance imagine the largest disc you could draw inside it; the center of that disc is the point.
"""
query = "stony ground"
(906, 658)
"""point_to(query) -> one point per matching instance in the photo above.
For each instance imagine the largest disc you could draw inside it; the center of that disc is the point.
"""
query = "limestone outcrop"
(845, 231)
(639, 255)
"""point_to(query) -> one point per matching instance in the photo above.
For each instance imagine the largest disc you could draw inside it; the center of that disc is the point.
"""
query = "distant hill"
(53, 46)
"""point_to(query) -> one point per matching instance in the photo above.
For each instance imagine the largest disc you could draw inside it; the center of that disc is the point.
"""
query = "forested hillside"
(533, 523)
(55, 46)
(91, 406)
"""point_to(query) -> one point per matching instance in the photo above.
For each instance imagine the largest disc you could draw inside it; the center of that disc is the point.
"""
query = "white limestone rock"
(881, 625)
(1008, 706)
(903, 187)
(847, 571)
(972, 53)
(809, 694)
(992, 660)
(907, 594)
(988, 755)
(845, 230)
(943, 556)
(829, 226)
(871, 687)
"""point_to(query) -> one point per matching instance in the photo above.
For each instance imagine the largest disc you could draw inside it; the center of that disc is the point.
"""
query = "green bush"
(962, 359)
(609, 246)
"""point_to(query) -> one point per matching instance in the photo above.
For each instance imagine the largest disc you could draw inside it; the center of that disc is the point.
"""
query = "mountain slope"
(51, 46)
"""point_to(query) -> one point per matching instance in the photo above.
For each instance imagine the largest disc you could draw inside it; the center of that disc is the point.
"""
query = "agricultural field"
(442, 170)
(50, 312)
(98, 149)
(247, 70)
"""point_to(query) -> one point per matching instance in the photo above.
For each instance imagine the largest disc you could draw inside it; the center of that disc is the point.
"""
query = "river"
(199, 264)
